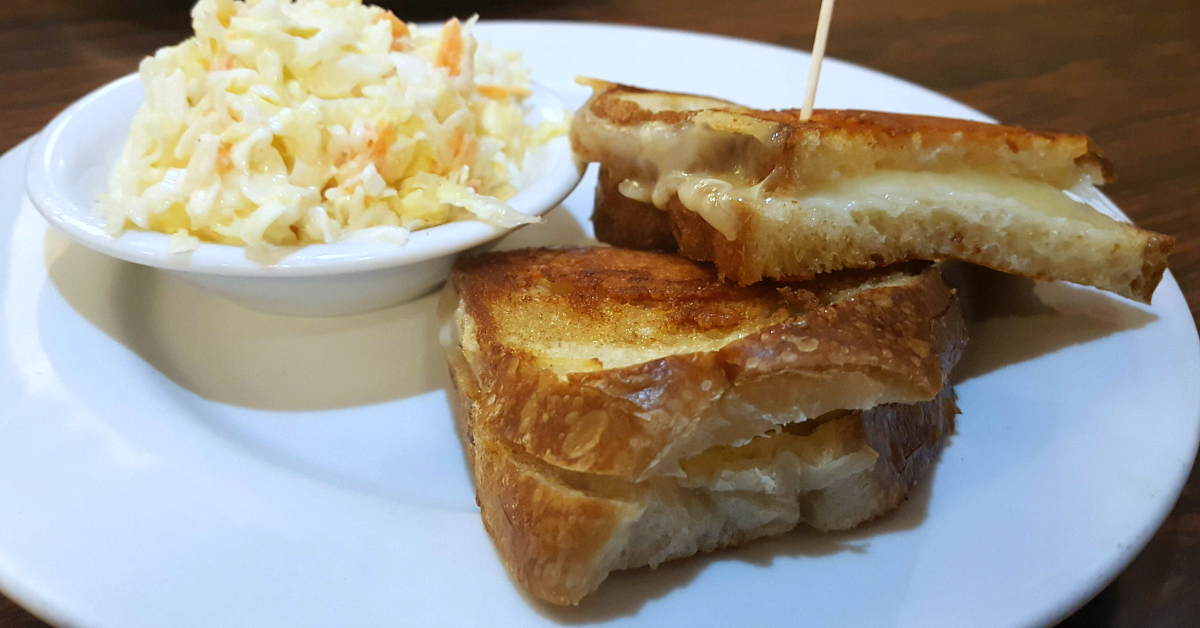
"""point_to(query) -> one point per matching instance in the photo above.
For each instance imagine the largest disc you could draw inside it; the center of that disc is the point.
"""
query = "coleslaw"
(288, 122)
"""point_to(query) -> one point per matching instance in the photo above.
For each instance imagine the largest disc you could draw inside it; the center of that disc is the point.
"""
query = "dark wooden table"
(1126, 73)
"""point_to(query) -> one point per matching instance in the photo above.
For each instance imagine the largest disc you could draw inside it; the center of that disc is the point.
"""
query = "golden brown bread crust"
(885, 128)
(624, 222)
(1154, 264)
(560, 537)
(549, 536)
(879, 344)
(563, 502)
(881, 138)
(908, 439)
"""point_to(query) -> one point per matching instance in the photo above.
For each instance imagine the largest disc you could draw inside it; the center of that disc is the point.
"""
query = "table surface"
(1126, 73)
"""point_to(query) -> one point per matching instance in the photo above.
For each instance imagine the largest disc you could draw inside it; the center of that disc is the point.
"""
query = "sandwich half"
(622, 408)
(766, 195)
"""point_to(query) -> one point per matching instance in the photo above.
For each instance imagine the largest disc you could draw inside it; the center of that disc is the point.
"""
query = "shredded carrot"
(378, 147)
(221, 62)
(503, 92)
(455, 141)
(399, 30)
(353, 162)
(450, 49)
(468, 152)
(462, 148)
(223, 161)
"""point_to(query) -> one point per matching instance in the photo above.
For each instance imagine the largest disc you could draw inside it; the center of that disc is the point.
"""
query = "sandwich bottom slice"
(828, 429)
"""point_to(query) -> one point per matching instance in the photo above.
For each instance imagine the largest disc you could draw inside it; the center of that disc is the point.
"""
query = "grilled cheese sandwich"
(765, 195)
(621, 408)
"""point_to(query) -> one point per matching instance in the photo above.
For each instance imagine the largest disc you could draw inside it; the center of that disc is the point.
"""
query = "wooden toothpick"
(818, 53)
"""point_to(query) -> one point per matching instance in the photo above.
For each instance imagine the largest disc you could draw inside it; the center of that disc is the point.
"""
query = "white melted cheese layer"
(720, 201)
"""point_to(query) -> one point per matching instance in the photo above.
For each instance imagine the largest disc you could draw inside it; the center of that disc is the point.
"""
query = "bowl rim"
(50, 153)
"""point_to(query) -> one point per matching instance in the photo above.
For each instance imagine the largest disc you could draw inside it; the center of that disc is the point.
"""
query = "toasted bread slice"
(561, 533)
(766, 195)
(623, 408)
(622, 363)
(629, 223)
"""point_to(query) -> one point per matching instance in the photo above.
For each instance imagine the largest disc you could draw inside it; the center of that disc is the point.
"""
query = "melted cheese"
(650, 151)
(719, 200)
(636, 190)
(716, 200)
(896, 188)
(784, 463)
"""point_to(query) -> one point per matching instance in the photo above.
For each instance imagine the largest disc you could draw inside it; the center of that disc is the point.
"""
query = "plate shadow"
(1014, 319)
(230, 354)
(227, 353)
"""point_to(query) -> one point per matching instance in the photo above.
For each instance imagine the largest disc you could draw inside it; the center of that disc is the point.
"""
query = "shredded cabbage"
(296, 122)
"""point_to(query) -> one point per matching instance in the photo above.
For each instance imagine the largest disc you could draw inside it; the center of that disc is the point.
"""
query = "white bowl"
(70, 161)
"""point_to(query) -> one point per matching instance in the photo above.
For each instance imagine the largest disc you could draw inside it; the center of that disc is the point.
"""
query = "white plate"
(170, 459)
